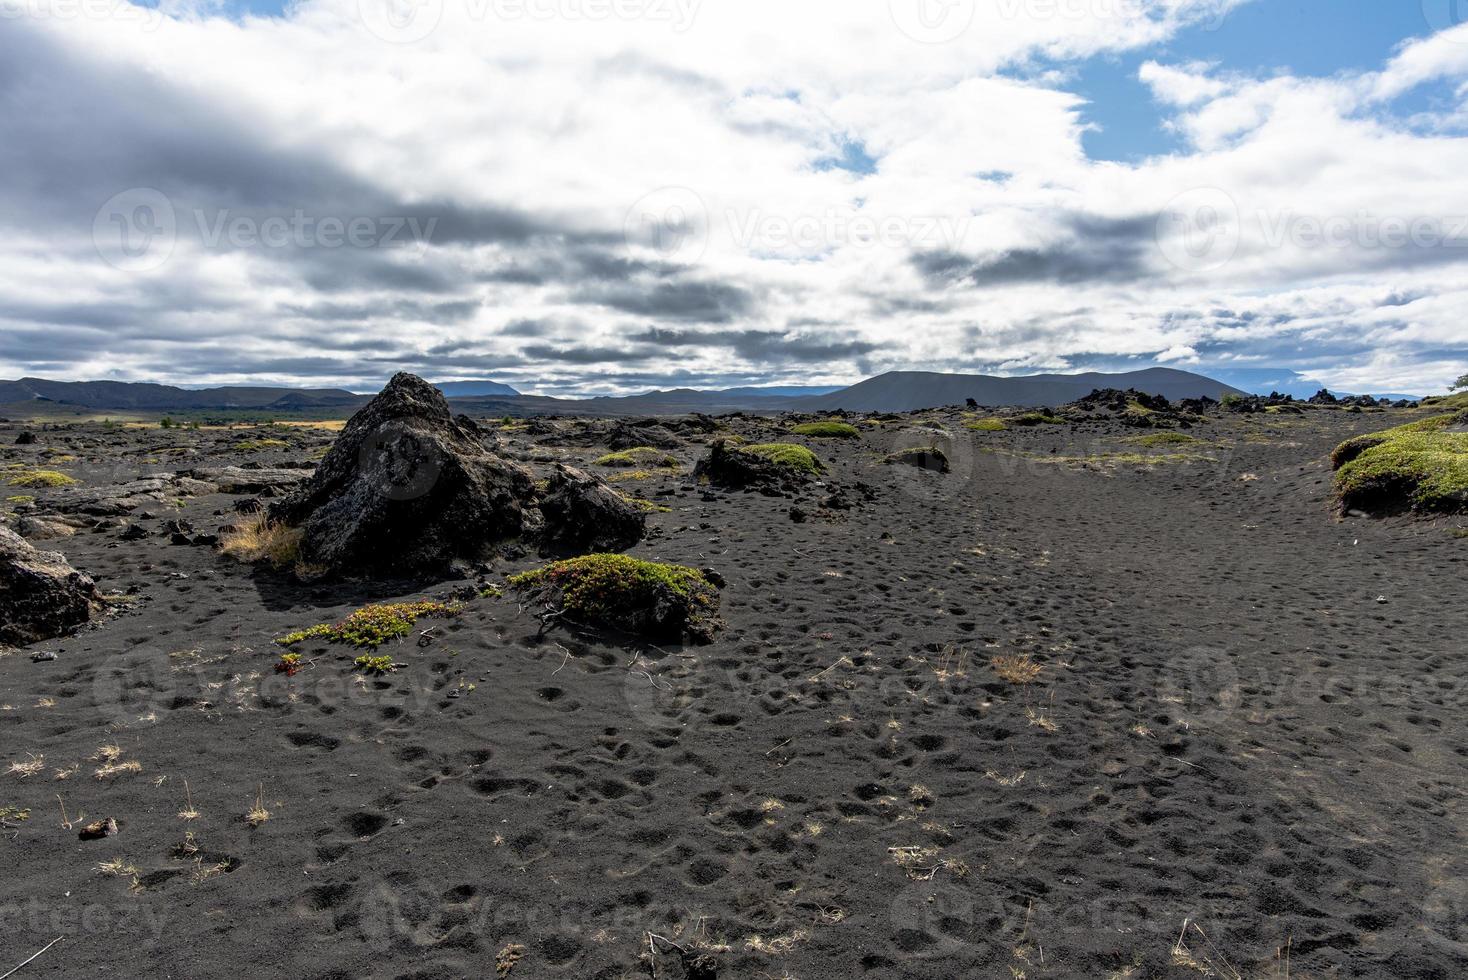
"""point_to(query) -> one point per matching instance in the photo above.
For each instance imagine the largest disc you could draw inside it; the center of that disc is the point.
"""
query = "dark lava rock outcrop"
(407, 488)
(583, 514)
(41, 595)
(769, 468)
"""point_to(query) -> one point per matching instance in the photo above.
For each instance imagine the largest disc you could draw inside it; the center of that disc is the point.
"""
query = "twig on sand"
(563, 662)
(33, 956)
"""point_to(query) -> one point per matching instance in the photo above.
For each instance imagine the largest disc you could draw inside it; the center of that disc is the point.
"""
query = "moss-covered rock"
(629, 594)
(827, 430)
(1421, 466)
(768, 464)
(1355, 446)
(639, 457)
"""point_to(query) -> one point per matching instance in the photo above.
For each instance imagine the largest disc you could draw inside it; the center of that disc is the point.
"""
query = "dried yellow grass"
(261, 539)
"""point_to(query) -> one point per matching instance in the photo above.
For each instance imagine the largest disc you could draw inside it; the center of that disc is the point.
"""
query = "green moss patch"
(642, 457)
(42, 479)
(259, 445)
(1420, 466)
(1164, 439)
(372, 626)
(1038, 418)
(625, 593)
(1354, 447)
(827, 430)
(783, 454)
(986, 425)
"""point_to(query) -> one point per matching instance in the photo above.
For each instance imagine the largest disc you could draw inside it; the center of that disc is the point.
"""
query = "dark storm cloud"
(588, 355)
(695, 301)
(1095, 250)
(761, 345)
(450, 311)
(142, 131)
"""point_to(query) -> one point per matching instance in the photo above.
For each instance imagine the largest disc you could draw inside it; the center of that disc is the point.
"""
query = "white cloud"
(985, 238)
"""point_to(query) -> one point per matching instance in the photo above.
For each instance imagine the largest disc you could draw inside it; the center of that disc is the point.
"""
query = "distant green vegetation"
(785, 455)
(986, 425)
(257, 445)
(827, 430)
(642, 456)
(1164, 439)
(1421, 464)
(1460, 400)
(1038, 418)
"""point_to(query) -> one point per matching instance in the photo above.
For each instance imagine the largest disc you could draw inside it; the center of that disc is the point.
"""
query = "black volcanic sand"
(1247, 730)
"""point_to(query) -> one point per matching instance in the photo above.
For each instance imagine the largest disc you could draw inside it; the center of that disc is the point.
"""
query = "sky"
(609, 196)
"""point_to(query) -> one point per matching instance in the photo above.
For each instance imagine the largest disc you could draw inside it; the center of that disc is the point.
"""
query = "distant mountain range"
(474, 389)
(898, 391)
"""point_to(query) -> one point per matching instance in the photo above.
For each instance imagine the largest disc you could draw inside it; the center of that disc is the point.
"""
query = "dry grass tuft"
(189, 812)
(261, 539)
(109, 769)
(1041, 719)
(257, 814)
(505, 959)
(776, 945)
(1017, 670)
(30, 767)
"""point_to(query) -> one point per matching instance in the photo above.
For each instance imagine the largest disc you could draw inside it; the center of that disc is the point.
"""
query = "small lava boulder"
(928, 458)
(583, 514)
(41, 595)
(408, 488)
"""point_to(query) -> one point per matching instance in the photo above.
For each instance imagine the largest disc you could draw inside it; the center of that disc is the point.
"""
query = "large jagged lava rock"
(583, 514)
(41, 595)
(408, 488)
